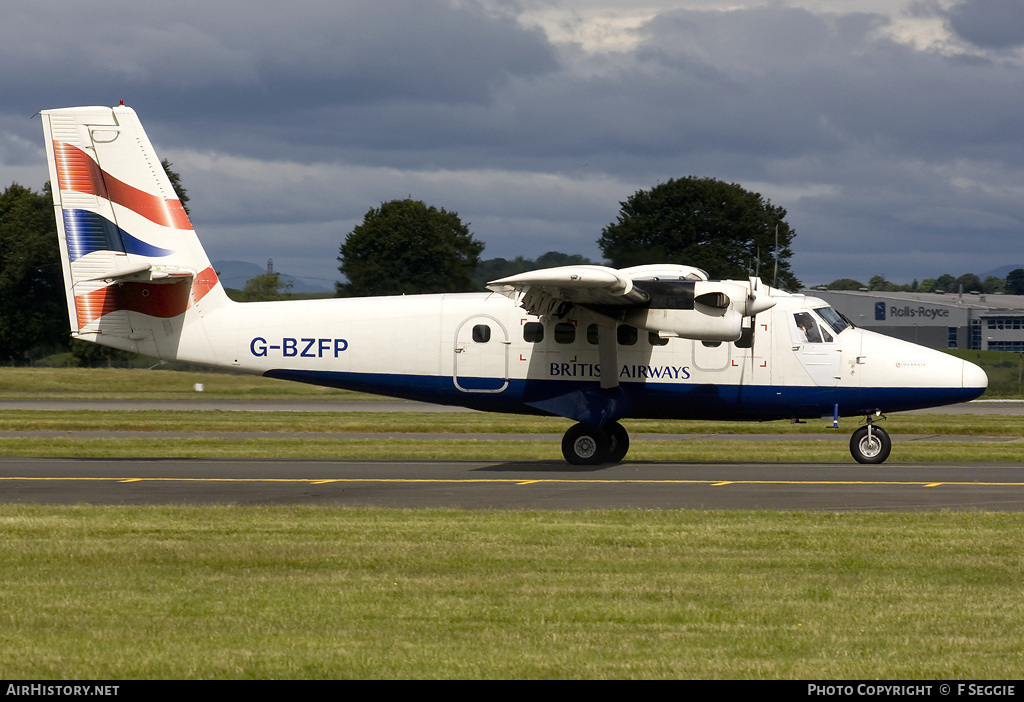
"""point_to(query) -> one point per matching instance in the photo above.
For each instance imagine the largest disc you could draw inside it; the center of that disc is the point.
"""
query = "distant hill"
(1001, 272)
(235, 274)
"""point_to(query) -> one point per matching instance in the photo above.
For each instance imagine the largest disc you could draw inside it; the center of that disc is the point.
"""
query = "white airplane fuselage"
(422, 347)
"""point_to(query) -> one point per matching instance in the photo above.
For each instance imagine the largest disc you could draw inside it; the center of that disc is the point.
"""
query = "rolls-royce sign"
(885, 311)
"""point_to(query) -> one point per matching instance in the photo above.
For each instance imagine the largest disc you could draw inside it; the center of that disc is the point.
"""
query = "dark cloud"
(299, 119)
(993, 24)
(265, 57)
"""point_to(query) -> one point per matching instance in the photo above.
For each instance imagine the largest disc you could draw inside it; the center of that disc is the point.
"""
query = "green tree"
(702, 222)
(494, 268)
(33, 307)
(403, 246)
(90, 355)
(267, 286)
(945, 283)
(993, 284)
(878, 282)
(179, 189)
(845, 284)
(553, 259)
(969, 282)
(1015, 281)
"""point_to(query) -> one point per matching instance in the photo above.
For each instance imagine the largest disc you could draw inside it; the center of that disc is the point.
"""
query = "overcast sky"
(889, 129)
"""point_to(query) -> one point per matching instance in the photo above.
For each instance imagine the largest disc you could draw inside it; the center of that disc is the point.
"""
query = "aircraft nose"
(974, 377)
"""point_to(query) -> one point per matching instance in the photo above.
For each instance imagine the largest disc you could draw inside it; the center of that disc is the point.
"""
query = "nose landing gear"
(870, 444)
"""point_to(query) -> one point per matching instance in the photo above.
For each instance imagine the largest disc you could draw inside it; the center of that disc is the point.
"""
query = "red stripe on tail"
(77, 171)
(164, 300)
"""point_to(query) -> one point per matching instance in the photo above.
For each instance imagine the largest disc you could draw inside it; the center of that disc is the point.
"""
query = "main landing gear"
(870, 444)
(588, 445)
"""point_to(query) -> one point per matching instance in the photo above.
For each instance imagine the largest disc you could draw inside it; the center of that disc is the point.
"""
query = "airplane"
(590, 343)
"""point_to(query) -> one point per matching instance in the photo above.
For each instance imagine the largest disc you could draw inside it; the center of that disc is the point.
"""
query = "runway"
(515, 485)
(502, 484)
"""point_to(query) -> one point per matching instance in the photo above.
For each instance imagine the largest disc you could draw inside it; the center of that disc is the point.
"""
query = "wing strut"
(608, 354)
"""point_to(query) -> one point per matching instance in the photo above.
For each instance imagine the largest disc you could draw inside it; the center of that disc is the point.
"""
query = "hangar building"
(950, 320)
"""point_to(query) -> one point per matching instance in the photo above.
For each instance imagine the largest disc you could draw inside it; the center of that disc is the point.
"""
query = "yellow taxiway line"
(521, 482)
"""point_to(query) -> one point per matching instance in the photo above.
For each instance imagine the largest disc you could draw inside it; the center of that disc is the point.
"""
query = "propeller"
(757, 299)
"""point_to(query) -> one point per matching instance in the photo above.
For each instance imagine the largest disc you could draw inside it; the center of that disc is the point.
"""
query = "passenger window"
(656, 339)
(592, 333)
(627, 335)
(565, 333)
(481, 333)
(533, 332)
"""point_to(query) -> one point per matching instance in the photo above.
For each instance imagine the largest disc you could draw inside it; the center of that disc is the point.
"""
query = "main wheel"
(585, 445)
(873, 449)
(618, 442)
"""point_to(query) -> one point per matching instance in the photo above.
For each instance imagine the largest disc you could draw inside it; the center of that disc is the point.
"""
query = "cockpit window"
(832, 318)
(808, 327)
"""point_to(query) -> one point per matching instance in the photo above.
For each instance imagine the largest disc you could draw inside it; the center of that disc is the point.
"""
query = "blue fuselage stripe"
(585, 401)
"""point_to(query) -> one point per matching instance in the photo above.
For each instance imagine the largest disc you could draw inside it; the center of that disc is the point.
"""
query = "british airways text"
(593, 370)
(299, 348)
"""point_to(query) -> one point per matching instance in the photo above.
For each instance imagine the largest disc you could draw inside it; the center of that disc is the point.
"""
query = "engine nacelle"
(701, 310)
(701, 325)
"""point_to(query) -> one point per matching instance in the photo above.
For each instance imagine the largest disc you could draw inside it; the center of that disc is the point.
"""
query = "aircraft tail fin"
(135, 273)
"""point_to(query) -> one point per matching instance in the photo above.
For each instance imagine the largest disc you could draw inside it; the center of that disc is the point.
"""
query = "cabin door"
(481, 355)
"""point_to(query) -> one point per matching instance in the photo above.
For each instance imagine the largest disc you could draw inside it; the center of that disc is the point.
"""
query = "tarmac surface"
(504, 484)
(515, 484)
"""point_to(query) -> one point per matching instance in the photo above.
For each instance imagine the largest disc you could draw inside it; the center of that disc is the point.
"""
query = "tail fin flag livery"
(590, 343)
(129, 253)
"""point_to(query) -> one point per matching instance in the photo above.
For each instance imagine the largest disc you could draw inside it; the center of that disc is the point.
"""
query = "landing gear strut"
(588, 445)
(870, 444)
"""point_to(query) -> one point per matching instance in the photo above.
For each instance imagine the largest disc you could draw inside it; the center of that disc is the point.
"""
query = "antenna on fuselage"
(775, 275)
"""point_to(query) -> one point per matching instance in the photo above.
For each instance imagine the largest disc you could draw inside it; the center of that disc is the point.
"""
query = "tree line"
(406, 246)
(1012, 284)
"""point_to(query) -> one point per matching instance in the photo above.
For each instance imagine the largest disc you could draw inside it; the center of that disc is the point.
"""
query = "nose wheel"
(589, 445)
(870, 444)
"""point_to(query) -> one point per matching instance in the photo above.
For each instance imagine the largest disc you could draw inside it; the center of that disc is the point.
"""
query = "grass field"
(109, 592)
(156, 384)
(217, 434)
(293, 592)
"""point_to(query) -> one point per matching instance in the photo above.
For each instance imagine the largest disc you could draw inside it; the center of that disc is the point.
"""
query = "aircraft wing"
(667, 286)
(546, 289)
